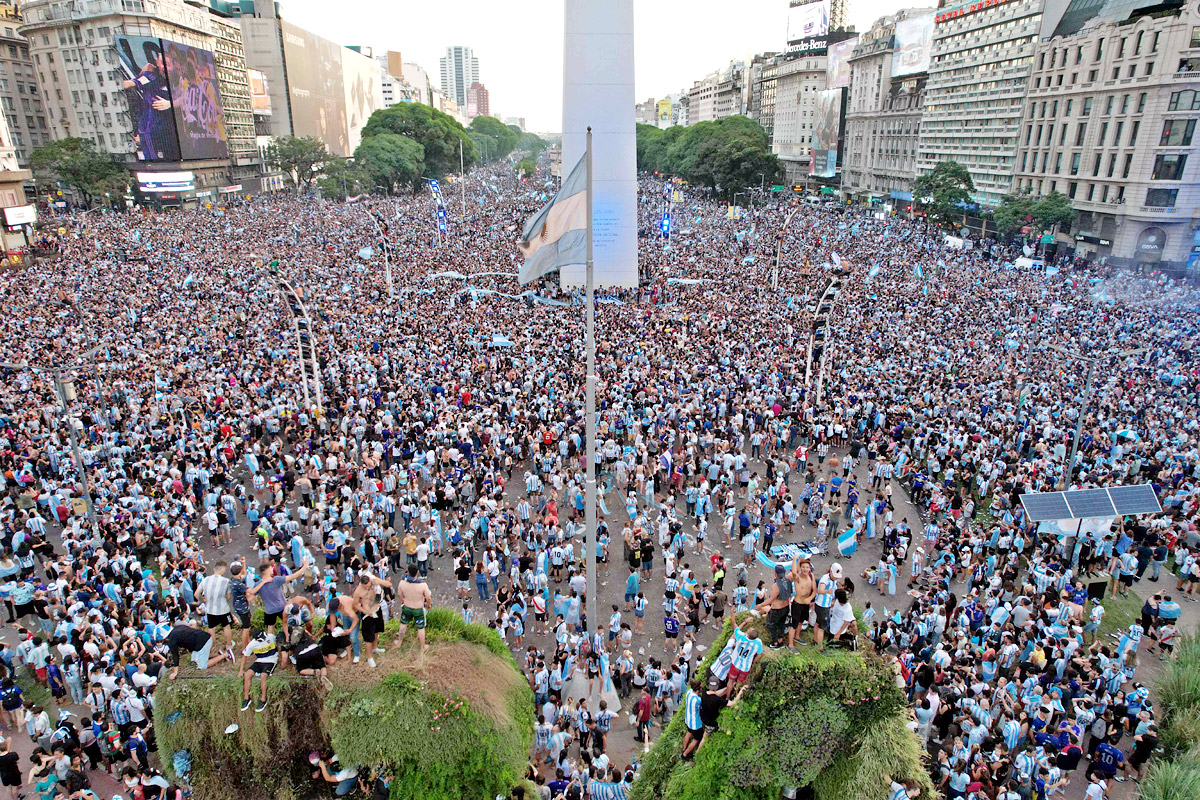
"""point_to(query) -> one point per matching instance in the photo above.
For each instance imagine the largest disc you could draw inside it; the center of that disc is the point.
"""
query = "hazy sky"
(519, 42)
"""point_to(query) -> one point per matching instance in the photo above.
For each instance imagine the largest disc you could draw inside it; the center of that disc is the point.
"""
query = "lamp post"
(1091, 362)
(779, 247)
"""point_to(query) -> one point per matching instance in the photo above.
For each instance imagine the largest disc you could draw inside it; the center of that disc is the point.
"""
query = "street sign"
(1047, 238)
(776, 189)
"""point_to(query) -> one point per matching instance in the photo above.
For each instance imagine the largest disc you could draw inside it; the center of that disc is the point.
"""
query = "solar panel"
(1090, 503)
(1135, 499)
(1046, 505)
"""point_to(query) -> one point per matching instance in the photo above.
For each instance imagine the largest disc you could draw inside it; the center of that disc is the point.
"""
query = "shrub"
(1172, 780)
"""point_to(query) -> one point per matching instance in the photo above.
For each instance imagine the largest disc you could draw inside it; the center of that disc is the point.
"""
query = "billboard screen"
(144, 79)
(195, 101)
(260, 92)
(363, 93)
(158, 182)
(828, 131)
(318, 98)
(664, 111)
(839, 62)
(914, 41)
(808, 25)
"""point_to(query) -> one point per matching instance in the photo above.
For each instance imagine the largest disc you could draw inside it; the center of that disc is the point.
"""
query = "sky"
(519, 42)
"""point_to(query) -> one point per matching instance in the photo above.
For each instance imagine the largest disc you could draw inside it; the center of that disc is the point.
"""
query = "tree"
(342, 177)
(389, 160)
(301, 159)
(730, 153)
(531, 142)
(503, 137)
(1013, 213)
(439, 134)
(1053, 212)
(526, 166)
(79, 165)
(944, 191)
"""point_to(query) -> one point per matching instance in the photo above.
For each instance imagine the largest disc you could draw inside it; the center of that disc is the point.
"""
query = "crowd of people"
(444, 464)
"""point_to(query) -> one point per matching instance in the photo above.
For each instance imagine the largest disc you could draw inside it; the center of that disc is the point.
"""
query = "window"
(1075, 163)
(1112, 164)
(1161, 198)
(1116, 73)
(1091, 191)
(1195, 36)
(1108, 107)
(1072, 189)
(1062, 135)
(1121, 48)
(1124, 104)
(1137, 43)
(1104, 194)
(1070, 105)
(1128, 164)
(1117, 134)
(1149, 67)
(1092, 76)
(1078, 54)
(1133, 132)
(1169, 167)
(1177, 133)
(1141, 102)
(1087, 106)
(1187, 100)
(1096, 166)
(1058, 164)
(1099, 49)
(1079, 134)
(1154, 42)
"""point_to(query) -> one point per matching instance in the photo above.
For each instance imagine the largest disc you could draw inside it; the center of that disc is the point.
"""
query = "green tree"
(501, 135)
(389, 161)
(439, 134)
(1013, 213)
(526, 166)
(647, 136)
(531, 142)
(300, 158)
(943, 191)
(342, 177)
(1054, 212)
(78, 164)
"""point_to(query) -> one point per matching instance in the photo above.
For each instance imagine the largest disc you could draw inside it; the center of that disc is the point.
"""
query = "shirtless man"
(366, 603)
(806, 591)
(342, 608)
(414, 598)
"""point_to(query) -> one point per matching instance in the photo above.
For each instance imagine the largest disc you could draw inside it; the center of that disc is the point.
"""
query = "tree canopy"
(944, 191)
(300, 158)
(390, 161)
(727, 154)
(78, 164)
(531, 142)
(501, 139)
(1016, 211)
(438, 134)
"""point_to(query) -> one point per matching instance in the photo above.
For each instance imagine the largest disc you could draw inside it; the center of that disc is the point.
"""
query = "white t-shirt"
(214, 589)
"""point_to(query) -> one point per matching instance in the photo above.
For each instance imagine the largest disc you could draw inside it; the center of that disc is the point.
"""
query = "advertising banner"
(363, 93)
(664, 111)
(196, 101)
(144, 79)
(827, 133)
(914, 42)
(839, 62)
(315, 88)
(260, 92)
(807, 19)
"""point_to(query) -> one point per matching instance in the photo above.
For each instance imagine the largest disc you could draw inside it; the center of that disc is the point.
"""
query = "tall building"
(888, 72)
(12, 183)
(762, 95)
(19, 94)
(646, 112)
(478, 103)
(416, 77)
(234, 85)
(518, 121)
(460, 69)
(718, 95)
(1110, 121)
(798, 81)
(262, 41)
(975, 95)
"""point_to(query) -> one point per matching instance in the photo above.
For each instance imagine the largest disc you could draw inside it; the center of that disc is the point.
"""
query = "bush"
(1172, 780)
(437, 743)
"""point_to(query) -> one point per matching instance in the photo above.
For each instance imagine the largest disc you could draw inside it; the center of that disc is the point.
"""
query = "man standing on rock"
(415, 598)
(367, 605)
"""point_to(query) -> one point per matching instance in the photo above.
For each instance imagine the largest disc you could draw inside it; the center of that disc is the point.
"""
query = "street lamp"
(779, 247)
(1087, 396)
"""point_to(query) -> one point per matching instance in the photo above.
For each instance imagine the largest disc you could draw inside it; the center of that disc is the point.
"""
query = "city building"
(646, 112)
(1110, 121)
(460, 69)
(233, 83)
(19, 94)
(478, 103)
(762, 95)
(717, 95)
(798, 82)
(979, 68)
(262, 43)
(753, 87)
(883, 115)
(518, 121)
(415, 76)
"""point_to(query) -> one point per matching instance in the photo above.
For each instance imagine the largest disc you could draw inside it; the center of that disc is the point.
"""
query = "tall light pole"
(1086, 402)
(65, 390)
(387, 261)
(779, 247)
(306, 350)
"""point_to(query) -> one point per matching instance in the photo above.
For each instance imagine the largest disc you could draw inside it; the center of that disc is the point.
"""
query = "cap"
(779, 570)
(836, 571)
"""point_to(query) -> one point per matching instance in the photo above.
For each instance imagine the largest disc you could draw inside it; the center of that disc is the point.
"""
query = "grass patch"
(1119, 613)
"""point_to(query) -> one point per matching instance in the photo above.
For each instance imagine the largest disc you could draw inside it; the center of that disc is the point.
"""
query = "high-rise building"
(718, 95)
(12, 180)
(478, 103)
(888, 72)
(19, 95)
(975, 96)
(233, 83)
(762, 95)
(460, 69)
(646, 112)
(798, 82)
(1110, 121)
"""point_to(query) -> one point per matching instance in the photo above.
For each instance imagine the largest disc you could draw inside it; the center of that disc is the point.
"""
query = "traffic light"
(665, 225)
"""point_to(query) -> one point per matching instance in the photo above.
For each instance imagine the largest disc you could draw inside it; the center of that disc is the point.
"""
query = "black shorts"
(823, 617)
(243, 619)
(1127, 578)
(799, 614)
(271, 617)
(697, 733)
(671, 635)
(262, 667)
(310, 660)
(372, 626)
(24, 609)
(218, 620)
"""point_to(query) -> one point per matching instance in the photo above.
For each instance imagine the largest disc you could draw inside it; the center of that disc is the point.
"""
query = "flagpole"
(590, 402)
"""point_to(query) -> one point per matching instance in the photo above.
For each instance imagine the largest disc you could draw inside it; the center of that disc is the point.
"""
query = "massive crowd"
(451, 436)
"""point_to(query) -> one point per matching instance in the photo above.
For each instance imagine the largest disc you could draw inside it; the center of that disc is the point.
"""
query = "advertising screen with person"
(192, 75)
(144, 78)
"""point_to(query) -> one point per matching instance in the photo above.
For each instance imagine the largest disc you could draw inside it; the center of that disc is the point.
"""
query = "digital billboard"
(158, 182)
(260, 92)
(363, 93)
(144, 79)
(826, 134)
(914, 41)
(839, 62)
(808, 26)
(196, 101)
(315, 89)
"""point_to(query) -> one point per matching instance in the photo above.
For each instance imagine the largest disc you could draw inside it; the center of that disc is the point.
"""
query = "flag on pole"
(847, 542)
(191, 277)
(556, 236)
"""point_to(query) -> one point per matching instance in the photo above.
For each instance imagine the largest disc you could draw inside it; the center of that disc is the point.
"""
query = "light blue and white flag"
(847, 542)
(556, 236)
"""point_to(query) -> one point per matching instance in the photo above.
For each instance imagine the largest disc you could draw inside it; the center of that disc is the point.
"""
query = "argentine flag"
(871, 521)
(847, 542)
(556, 236)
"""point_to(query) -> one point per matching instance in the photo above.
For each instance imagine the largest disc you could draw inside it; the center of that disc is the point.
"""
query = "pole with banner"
(590, 404)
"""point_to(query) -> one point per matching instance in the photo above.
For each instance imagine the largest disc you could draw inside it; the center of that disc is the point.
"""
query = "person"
(196, 641)
(265, 657)
(843, 627)
(777, 606)
(823, 602)
(642, 714)
(213, 592)
(369, 608)
(746, 649)
(10, 769)
(344, 779)
(415, 598)
(1106, 760)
